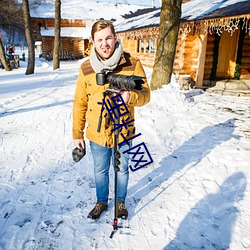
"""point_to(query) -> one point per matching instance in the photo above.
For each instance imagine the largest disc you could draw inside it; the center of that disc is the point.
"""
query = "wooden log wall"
(186, 55)
(50, 22)
(73, 45)
(209, 57)
(79, 46)
(185, 59)
(146, 59)
(66, 44)
(47, 45)
(190, 56)
(178, 61)
(131, 46)
(245, 60)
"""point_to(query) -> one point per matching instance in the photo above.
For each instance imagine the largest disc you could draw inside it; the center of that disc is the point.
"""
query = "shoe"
(122, 211)
(97, 210)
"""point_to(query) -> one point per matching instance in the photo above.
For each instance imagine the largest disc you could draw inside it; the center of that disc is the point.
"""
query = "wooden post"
(201, 60)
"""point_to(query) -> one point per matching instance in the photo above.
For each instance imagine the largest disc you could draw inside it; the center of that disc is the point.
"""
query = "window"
(146, 45)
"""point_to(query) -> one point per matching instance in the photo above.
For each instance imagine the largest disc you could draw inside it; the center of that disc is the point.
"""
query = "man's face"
(104, 42)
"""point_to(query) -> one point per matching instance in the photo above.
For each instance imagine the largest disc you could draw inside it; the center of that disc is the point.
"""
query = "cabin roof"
(208, 9)
(140, 21)
(77, 32)
(193, 10)
(84, 10)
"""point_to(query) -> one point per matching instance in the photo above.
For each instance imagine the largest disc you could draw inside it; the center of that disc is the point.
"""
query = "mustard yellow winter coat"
(88, 94)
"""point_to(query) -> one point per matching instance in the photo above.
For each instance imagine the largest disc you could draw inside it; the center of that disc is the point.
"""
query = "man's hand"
(79, 151)
(79, 143)
(125, 95)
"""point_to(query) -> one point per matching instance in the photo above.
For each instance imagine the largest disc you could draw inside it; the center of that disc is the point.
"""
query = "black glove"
(78, 153)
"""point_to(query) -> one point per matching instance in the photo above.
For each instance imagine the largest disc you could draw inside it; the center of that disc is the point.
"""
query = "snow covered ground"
(194, 196)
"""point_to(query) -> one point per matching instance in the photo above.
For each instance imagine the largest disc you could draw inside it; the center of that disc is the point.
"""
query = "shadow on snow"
(22, 110)
(209, 225)
(189, 155)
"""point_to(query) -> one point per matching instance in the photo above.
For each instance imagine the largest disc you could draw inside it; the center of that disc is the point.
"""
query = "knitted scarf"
(98, 64)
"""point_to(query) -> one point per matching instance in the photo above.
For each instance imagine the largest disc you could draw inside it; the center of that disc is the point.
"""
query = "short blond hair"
(100, 25)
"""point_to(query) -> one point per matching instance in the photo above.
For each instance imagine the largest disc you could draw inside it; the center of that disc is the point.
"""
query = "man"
(107, 54)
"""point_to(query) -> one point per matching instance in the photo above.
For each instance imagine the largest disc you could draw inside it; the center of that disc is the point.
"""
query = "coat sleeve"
(80, 105)
(141, 97)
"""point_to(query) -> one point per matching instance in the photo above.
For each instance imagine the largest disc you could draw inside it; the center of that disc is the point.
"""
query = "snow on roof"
(192, 10)
(198, 9)
(145, 20)
(79, 32)
(85, 10)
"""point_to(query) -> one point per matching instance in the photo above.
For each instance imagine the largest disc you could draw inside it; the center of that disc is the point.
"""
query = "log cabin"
(74, 37)
(213, 41)
(77, 19)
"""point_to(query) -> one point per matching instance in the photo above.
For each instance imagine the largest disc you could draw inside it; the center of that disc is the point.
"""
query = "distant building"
(77, 19)
(75, 36)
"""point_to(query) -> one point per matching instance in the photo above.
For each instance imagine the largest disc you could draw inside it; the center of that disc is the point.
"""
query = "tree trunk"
(56, 59)
(168, 34)
(28, 33)
(3, 57)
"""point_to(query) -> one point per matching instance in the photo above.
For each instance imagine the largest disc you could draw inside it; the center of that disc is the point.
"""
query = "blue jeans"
(102, 157)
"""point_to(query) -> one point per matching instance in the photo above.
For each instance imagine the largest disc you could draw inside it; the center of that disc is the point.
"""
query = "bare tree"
(28, 33)
(11, 24)
(168, 34)
(56, 59)
(36, 3)
(11, 17)
(3, 57)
